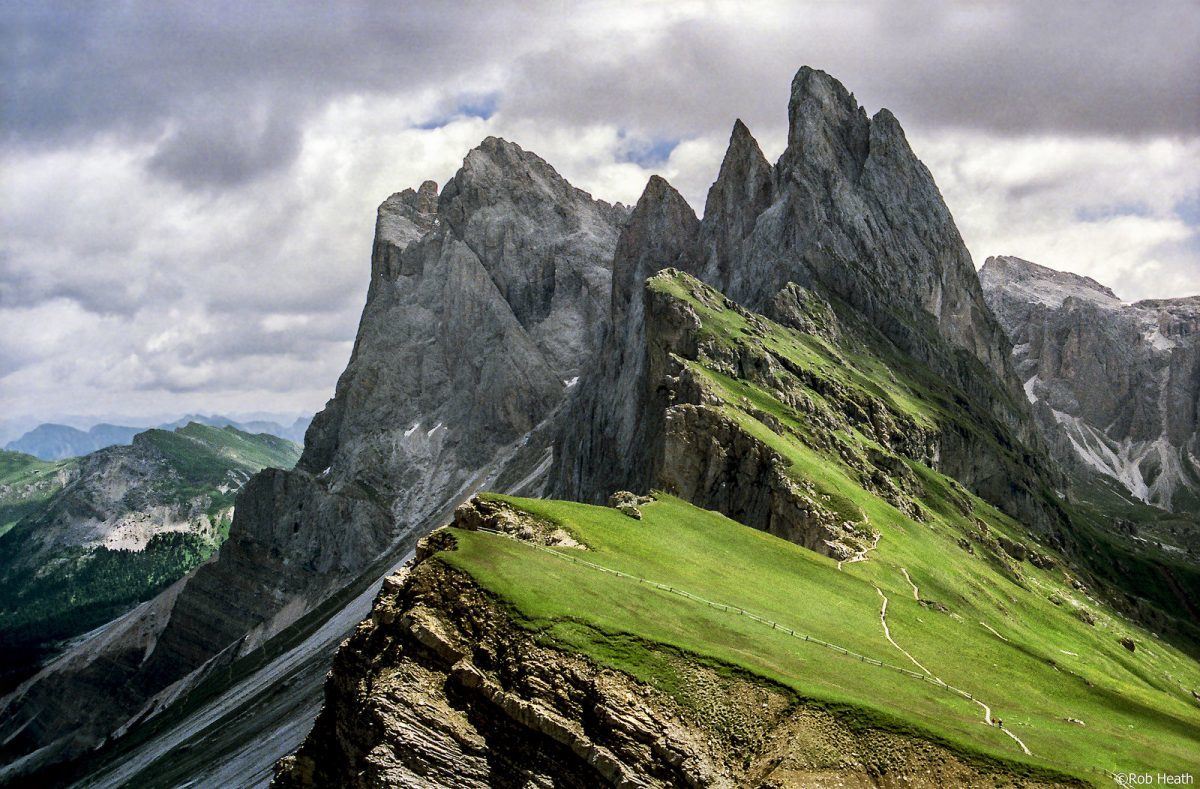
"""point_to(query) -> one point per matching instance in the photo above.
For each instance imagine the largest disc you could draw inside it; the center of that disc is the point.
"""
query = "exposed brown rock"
(499, 516)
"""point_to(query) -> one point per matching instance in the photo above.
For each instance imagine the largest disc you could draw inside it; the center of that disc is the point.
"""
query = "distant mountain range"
(1115, 386)
(86, 538)
(51, 441)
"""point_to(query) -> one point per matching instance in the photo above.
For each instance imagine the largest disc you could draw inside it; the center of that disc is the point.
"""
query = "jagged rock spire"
(604, 444)
(848, 212)
(401, 219)
(663, 231)
(744, 189)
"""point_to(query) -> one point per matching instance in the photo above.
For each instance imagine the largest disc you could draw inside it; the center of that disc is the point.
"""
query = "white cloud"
(133, 279)
(1102, 207)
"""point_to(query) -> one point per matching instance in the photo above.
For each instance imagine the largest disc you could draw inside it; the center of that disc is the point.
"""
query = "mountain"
(868, 631)
(85, 539)
(1118, 384)
(815, 360)
(850, 218)
(293, 432)
(837, 544)
(56, 442)
(480, 317)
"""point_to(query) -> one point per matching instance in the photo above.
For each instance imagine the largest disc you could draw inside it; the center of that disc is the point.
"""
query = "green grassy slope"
(203, 456)
(1030, 641)
(1044, 668)
(51, 593)
(26, 484)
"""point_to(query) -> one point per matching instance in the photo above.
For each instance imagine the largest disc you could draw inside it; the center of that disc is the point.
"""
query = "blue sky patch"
(480, 105)
(645, 151)
(1100, 213)
(1188, 209)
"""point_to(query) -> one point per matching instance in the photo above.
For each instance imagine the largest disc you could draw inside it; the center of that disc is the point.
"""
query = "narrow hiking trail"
(992, 630)
(861, 556)
(916, 593)
(928, 676)
(887, 633)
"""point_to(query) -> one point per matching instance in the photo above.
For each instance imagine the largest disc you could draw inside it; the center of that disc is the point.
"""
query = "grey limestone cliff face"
(471, 335)
(849, 213)
(849, 207)
(482, 308)
(1116, 385)
(608, 440)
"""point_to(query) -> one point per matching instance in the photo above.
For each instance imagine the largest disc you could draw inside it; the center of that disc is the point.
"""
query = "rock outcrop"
(440, 688)
(479, 318)
(848, 221)
(1116, 386)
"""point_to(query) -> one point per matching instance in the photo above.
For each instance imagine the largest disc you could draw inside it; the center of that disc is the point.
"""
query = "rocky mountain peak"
(499, 170)
(849, 212)
(827, 129)
(481, 311)
(818, 98)
(425, 199)
(745, 187)
(406, 216)
(662, 231)
(1039, 284)
(1115, 385)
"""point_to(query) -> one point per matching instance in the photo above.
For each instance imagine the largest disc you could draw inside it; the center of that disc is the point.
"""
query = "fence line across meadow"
(733, 609)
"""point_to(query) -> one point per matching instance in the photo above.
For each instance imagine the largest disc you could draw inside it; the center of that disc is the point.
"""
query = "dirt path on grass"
(992, 630)
(887, 633)
(916, 593)
(927, 676)
(861, 556)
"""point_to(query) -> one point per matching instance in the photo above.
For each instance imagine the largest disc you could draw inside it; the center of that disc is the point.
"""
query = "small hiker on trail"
(1000, 723)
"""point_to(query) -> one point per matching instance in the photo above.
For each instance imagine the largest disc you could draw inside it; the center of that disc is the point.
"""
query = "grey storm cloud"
(202, 73)
(187, 189)
(1100, 68)
(228, 86)
(221, 148)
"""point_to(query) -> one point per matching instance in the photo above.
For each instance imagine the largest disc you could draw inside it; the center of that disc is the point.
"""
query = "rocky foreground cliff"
(1117, 384)
(440, 687)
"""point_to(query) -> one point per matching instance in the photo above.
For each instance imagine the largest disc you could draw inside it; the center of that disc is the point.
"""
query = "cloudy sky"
(187, 190)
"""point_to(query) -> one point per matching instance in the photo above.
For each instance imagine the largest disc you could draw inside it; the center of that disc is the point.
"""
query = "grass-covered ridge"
(1045, 667)
(1023, 635)
(27, 483)
(862, 368)
(202, 457)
